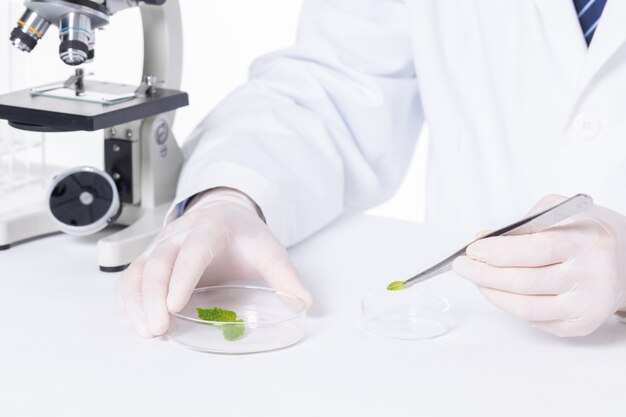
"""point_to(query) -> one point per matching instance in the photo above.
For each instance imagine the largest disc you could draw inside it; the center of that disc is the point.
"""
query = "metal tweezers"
(532, 224)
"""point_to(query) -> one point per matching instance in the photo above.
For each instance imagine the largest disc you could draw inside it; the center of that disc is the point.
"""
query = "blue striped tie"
(589, 13)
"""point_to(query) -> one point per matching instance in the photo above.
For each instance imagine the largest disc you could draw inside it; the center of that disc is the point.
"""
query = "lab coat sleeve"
(329, 123)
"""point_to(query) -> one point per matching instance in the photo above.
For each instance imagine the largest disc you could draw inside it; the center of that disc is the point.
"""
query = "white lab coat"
(516, 104)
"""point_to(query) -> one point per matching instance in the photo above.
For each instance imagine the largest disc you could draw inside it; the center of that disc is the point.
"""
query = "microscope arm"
(163, 38)
(160, 158)
(115, 6)
(163, 43)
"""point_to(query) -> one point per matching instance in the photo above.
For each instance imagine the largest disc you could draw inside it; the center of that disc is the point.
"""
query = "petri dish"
(408, 315)
(271, 320)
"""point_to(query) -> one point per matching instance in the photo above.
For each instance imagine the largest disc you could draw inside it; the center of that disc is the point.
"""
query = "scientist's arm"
(566, 279)
(329, 123)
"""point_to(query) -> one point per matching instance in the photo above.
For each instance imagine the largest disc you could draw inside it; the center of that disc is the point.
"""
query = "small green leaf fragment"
(230, 330)
(396, 286)
(233, 332)
(216, 314)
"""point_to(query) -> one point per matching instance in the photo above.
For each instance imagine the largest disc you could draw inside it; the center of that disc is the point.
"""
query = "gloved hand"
(565, 280)
(219, 238)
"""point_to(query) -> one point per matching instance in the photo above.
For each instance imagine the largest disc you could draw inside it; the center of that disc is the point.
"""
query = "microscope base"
(24, 224)
(113, 269)
(115, 252)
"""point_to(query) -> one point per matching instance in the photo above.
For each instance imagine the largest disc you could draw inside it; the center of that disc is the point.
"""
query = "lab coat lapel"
(608, 38)
(559, 17)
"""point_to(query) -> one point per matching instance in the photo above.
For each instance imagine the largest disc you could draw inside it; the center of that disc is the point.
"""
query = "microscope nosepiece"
(76, 34)
(29, 29)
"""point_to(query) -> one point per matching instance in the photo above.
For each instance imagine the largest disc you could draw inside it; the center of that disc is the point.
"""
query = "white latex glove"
(565, 280)
(219, 238)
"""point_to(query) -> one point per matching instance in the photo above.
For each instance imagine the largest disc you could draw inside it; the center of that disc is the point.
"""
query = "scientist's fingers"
(272, 264)
(195, 255)
(551, 246)
(129, 295)
(545, 203)
(156, 279)
(526, 307)
(567, 328)
(482, 234)
(547, 280)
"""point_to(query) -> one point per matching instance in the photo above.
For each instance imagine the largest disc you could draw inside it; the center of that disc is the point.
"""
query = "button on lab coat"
(516, 105)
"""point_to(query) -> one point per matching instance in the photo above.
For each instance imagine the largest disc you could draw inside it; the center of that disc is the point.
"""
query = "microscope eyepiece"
(29, 29)
(75, 34)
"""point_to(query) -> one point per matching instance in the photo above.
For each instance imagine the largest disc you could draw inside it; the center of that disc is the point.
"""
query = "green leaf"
(216, 314)
(230, 330)
(396, 286)
(233, 332)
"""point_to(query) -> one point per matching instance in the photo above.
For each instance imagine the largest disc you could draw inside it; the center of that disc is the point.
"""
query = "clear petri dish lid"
(407, 315)
(266, 319)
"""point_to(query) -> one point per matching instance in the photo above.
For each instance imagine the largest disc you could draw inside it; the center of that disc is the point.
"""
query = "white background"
(222, 38)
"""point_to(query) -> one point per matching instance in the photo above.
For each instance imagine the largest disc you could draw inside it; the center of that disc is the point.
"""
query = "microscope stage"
(51, 114)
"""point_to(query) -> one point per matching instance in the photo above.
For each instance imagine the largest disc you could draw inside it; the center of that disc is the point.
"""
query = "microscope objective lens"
(29, 29)
(75, 34)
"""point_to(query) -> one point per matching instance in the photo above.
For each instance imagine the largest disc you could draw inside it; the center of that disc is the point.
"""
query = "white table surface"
(66, 350)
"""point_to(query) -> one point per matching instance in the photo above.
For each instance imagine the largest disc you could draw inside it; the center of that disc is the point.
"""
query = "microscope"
(142, 160)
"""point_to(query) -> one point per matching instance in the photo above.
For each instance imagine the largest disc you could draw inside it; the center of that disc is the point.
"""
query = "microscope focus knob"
(83, 201)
